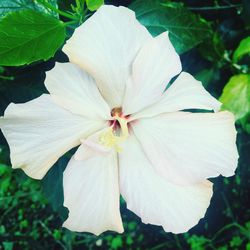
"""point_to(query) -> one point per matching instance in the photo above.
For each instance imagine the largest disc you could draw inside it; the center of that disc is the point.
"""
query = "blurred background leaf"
(243, 49)
(236, 95)
(186, 30)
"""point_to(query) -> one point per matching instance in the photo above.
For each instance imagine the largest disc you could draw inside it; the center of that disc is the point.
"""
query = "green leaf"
(54, 193)
(116, 242)
(27, 85)
(236, 95)
(243, 49)
(245, 122)
(7, 6)
(8, 245)
(186, 30)
(94, 4)
(206, 76)
(248, 246)
(236, 241)
(213, 49)
(27, 36)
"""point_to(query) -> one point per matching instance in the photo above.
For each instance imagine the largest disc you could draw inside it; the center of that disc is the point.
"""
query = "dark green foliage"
(55, 194)
(186, 29)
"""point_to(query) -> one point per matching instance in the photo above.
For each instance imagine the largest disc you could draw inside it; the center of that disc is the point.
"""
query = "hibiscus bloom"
(135, 139)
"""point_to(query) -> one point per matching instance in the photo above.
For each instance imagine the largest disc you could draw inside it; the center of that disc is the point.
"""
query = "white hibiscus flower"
(134, 139)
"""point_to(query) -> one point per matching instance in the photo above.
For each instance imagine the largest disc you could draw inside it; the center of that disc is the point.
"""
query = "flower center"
(117, 132)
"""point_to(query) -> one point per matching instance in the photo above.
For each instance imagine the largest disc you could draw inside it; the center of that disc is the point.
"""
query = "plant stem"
(228, 226)
(9, 78)
(60, 12)
(228, 206)
(159, 246)
(216, 7)
(71, 22)
(51, 234)
(178, 243)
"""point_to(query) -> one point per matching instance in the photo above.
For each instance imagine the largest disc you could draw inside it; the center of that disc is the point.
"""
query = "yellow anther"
(110, 139)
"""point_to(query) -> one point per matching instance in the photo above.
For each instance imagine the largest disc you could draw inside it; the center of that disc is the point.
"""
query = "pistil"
(110, 137)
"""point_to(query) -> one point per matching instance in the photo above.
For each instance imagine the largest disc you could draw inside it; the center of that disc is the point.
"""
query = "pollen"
(110, 140)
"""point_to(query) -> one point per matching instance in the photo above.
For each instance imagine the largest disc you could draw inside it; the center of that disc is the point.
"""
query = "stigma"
(118, 131)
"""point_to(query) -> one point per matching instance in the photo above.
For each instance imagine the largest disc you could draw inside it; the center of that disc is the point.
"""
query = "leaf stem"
(159, 246)
(178, 243)
(60, 12)
(228, 226)
(71, 22)
(9, 78)
(216, 7)
(51, 234)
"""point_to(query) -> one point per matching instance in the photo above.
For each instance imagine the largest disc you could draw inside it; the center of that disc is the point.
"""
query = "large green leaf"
(185, 28)
(236, 95)
(245, 122)
(213, 49)
(243, 49)
(206, 76)
(52, 185)
(28, 83)
(27, 36)
(7, 6)
(94, 4)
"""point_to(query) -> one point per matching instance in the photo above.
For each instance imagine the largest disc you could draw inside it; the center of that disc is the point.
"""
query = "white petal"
(176, 208)
(75, 90)
(91, 146)
(91, 193)
(187, 148)
(105, 46)
(155, 65)
(185, 93)
(39, 132)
